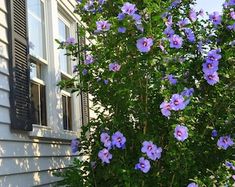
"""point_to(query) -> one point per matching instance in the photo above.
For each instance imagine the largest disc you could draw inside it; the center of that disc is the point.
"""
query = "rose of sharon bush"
(150, 65)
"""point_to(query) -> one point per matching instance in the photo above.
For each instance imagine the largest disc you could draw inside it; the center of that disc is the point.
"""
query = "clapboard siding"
(33, 149)
(13, 165)
(25, 161)
(33, 179)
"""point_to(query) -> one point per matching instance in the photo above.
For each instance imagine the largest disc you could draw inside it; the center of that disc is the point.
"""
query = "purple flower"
(106, 81)
(89, 6)
(231, 2)
(89, 59)
(75, 145)
(193, 184)
(187, 92)
(224, 142)
(137, 18)
(144, 44)
(200, 46)
(118, 140)
(101, 2)
(169, 21)
(190, 34)
(122, 29)
(140, 27)
(201, 12)
(216, 18)
(183, 22)
(214, 133)
(105, 156)
(71, 41)
(172, 79)
(114, 67)
(128, 8)
(212, 78)
(152, 151)
(103, 25)
(105, 139)
(143, 165)
(121, 16)
(232, 15)
(210, 67)
(176, 42)
(181, 133)
(165, 109)
(192, 15)
(231, 27)
(175, 3)
(84, 72)
(177, 102)
(169, 32)
(213, 56)
(228, 164)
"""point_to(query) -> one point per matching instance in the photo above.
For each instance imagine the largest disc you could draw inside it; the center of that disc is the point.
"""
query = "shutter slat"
(19, 66)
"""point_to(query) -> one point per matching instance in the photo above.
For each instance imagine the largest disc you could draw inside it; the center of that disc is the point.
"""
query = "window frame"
(34, 56)
(69, 24)
(55, 129)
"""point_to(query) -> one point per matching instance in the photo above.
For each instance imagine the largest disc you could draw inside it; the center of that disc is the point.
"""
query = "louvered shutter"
(19, 66)
(84, 95)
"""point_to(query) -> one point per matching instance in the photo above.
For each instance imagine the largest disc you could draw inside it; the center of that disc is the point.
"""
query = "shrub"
(162, 77)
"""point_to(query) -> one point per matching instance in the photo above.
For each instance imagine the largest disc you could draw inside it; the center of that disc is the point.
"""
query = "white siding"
(25, 159)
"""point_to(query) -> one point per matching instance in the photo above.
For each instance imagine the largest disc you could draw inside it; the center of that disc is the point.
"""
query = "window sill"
(45, 132)
(66, 75)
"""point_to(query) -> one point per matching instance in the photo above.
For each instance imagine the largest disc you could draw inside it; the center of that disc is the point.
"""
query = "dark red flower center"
(149, 147)
(210, 77)
(176, 102)
(145, 43)
(179, 133)
(119, 139)
(175, 42)
(103, 26)
(142, 165)
(209, 66)
(225, 140)
(212, 58)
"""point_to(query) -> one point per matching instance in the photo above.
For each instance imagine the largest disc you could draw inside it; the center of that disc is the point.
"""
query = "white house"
(37, 119)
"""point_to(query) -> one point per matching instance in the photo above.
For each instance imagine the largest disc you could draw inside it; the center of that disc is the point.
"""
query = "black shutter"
(84, 95)
(19, 66)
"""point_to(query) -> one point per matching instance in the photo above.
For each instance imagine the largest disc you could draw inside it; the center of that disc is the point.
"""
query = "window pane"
(35, 103)
(36, 28)
(43, 105)
(63, 35)
(69, 114)
(65, 116)
(35, 71)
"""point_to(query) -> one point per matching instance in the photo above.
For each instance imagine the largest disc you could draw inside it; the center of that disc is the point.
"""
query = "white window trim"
(54, 128)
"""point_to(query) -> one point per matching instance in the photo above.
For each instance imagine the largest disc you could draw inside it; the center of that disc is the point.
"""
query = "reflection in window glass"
(35, 70)
(38, 104)
(63, 35)
(67, 112)
(36, 28)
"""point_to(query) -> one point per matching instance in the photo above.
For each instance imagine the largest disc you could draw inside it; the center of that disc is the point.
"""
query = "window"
(64, 33)
(38, 103)
(36, 28)
(67, 112)
(37, 51)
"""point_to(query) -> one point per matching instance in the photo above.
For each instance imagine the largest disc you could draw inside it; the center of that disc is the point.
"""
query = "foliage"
(129, 84)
